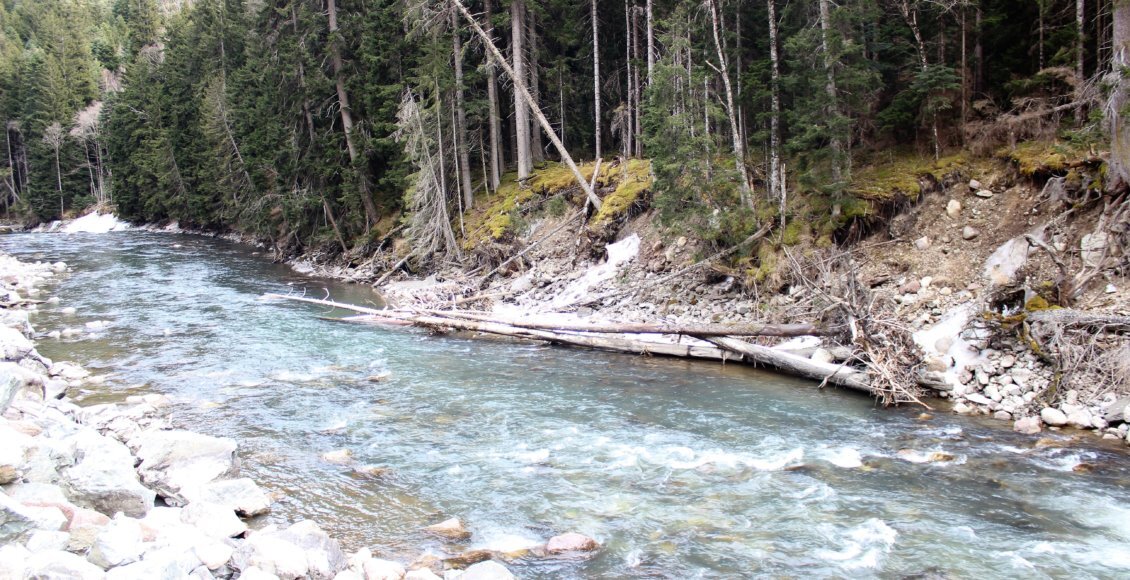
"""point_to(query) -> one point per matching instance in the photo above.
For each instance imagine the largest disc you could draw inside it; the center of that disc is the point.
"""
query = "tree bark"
(521, 90)
(735, 133)
(650, 44)
(1080, 52)
(776, 189)
(596, 78)
(521, 106)
(636, 80)
(629, 130)
(830, 88)
(1119, 80)
(371, 216)
(978, 54)
(496, 160)
(537, 150)
(461, 117)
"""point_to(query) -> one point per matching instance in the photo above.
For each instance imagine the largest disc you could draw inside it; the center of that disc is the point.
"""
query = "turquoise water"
(680, 469)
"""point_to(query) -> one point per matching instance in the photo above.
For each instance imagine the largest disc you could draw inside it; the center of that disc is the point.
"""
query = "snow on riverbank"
(91, 223)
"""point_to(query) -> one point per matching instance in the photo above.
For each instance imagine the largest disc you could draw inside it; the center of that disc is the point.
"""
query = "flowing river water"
(680, 469)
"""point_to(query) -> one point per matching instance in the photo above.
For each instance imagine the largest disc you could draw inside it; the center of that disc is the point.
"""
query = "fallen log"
(783, 330)
(842, 375)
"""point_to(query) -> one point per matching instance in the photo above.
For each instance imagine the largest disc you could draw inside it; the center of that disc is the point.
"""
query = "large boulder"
(302, 550)
(103, 478)
(59, 565)
(13, 344)
(16, 522)
(119, 543)
(14, 448)
(242, 495)
(13, 380)
(13, 561)
(172, 461)
(215, 521)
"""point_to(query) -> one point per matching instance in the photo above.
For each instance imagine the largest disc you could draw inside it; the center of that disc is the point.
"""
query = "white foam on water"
(845, 457)
(536, 456)
(862, 546)
(496, 540)
(95, 223)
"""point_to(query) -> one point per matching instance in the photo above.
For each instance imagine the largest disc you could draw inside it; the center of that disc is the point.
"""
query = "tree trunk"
(59, 182)
(1080, 52)
(978, 54)
(520, 90)
(636, 80)
(521, 108)
(650, 43)
(830, 88)
(537, 150)
(596, 78)
(776, 189)
(371, 216)
(496, 160)
(461, 117)
(1119, 80)
(735, 133)
(628, 129)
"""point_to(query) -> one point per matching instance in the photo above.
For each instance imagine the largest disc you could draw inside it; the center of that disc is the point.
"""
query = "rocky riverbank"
(115, 491)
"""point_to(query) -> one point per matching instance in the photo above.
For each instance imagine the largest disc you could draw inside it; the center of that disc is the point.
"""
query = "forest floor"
(941, 257)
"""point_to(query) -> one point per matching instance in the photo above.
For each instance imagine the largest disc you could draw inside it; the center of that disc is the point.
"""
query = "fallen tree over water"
(705, 341)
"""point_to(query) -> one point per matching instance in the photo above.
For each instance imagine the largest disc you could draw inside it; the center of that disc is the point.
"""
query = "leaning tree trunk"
(521, 107)
(521, 91)
(461, 117)
(1119, 80)
(735, 133)
(371, 216)
(492, 100)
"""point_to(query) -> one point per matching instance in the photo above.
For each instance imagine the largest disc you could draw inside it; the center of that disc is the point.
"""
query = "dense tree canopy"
(281, 116)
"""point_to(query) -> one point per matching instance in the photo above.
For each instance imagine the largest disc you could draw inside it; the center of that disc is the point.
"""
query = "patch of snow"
(619, 253)
(95, 223)
(800, 343)
(1002, 264)
(950, 326)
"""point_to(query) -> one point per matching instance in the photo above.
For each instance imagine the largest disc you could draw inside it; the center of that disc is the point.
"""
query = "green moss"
(885, 178)
(634, 180)
(793, 232)
(1043, 157)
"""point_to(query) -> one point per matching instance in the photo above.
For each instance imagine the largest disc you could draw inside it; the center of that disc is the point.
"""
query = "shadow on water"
(681, 469)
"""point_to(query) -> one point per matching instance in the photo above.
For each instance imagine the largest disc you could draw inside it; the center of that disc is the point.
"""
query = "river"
(680, 469)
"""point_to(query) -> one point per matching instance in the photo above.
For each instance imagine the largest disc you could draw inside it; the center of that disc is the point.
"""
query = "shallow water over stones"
(679, 469)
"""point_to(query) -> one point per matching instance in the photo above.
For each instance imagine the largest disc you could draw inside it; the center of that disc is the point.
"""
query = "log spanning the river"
(705, 341)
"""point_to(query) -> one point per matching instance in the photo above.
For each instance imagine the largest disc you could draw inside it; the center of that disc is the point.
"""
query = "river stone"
(49, 518)
(270, 554)
(257, 573)
(14, 448)
(213, 554)
(350, 575)
(216, 521)
(45, 541)
(1053, 416)
(979, 399)
(242, 495)
(118, 543)
(84, 527)
(175, 460)
(922, 243)
(421, 574)
(570, 542)
(489, 570)
(450, 528)
(13, 379)
(13, 344)
(953, 208)
(1118, 411)
(324, 557)
(377, 569)
(13, 561)
(16, 522)
(969, 232)
(61, 565)
(157, 565)
(104, 478)
(1080, 419)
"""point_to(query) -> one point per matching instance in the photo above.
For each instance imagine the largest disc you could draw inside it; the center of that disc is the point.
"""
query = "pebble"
(969, 233)
(953, 208)
(984, 193)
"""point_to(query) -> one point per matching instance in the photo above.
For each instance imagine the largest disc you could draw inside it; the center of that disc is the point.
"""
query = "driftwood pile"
(705, 341)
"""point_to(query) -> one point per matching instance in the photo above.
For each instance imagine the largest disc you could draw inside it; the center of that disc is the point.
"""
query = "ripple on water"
(680, 469)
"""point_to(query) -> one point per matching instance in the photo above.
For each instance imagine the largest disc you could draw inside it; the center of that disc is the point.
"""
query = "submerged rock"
(450, 528)
(1027, 425)
(489, 570)
(570, 542)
